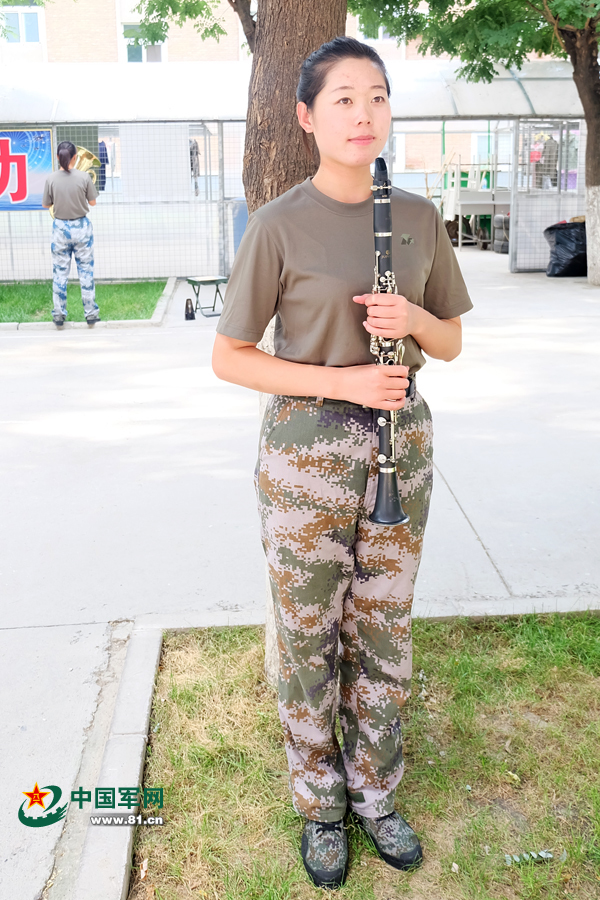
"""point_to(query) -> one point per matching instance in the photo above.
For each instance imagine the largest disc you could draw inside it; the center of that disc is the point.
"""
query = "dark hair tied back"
(66, 151)
(316, 67)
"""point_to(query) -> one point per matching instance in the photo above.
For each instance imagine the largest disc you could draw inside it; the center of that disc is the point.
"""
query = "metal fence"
(171, 202)
(548, 186)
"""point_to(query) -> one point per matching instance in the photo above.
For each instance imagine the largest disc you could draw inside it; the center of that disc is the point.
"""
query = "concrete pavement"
(515, 521)
(126, 483)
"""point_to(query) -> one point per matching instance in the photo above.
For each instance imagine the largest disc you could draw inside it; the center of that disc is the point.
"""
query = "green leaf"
(481, 33)
(157, 15)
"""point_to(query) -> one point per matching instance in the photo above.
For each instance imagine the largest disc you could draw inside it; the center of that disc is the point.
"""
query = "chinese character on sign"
(105, 798)
(129, 797)
(153, 797)
(8, 159)
(80, 796)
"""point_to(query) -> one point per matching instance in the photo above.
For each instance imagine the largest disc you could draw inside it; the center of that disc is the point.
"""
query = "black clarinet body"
(388, 508)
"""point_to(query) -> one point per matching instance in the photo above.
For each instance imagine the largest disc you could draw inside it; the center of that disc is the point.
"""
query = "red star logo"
(36, 796)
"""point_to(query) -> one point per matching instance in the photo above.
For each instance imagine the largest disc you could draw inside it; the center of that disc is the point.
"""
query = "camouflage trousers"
(73, 237)
(342, 590)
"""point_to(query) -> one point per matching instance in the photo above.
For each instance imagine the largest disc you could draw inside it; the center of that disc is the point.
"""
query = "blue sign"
(25, 163)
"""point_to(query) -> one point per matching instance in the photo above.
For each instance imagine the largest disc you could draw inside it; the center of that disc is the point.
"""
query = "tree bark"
(267, 345)
(274, 158)
(242, 8)
(286, 33)
(582, 47)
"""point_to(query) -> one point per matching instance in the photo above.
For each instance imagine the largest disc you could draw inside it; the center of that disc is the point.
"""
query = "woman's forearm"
(245, 364)
(438, 338)
(380, 387)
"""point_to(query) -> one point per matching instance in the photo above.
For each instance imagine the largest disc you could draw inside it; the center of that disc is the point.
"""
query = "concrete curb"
(163, 304)
(157, 317)
(105, 862)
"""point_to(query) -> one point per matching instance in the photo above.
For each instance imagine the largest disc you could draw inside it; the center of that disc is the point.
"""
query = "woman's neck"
(343, 184)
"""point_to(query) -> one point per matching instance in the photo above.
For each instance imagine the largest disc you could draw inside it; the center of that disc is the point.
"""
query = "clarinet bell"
(388, 507)
(189, 309)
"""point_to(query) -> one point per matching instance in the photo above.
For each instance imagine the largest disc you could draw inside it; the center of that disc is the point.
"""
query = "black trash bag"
(568, 254)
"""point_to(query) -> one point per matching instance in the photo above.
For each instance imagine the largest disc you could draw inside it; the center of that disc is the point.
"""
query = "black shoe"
(93, 319)
(325, 853)
(394, 840)
(58, 320)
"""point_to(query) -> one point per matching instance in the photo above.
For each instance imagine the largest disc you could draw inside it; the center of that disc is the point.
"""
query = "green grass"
(32, 301)
(508, 707)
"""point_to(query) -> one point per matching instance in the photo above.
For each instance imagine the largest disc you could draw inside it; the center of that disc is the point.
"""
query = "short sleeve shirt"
(69, 192)
(304, 256)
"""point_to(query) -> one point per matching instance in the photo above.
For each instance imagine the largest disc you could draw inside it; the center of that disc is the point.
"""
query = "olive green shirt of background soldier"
(304, 256)
(69, 192)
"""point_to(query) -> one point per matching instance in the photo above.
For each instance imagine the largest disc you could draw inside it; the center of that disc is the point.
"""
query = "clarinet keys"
(388, 508)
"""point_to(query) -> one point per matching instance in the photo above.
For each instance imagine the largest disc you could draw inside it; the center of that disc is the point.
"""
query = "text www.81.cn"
(126, 820)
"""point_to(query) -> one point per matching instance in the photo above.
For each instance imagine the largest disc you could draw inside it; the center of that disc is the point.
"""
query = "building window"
(21, 27)
(382, 35)
(153, 53)
(32, 31)
(136, 52)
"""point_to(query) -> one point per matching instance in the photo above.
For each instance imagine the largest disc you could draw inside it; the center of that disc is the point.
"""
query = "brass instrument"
(85, 161)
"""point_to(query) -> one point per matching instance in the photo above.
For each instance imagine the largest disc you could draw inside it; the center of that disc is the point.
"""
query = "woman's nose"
(363, 113)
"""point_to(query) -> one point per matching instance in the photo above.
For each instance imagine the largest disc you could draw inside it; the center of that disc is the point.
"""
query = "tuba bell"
(85, 161)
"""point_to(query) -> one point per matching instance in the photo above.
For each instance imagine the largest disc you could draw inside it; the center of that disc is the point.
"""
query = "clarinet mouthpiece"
(381, 172)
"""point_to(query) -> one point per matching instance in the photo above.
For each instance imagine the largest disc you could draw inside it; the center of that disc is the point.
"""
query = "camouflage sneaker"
(325, 853)
(394, 840)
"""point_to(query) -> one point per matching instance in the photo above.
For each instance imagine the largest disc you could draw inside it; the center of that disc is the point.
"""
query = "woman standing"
(307, 257)
(72, 193)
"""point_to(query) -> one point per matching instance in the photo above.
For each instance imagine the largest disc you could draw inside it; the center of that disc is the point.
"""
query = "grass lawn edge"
(156, 319)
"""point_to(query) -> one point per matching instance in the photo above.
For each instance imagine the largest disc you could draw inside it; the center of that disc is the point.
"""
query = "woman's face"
(350, 117)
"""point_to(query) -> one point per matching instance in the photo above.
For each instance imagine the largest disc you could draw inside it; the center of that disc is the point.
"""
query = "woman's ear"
(304, 117)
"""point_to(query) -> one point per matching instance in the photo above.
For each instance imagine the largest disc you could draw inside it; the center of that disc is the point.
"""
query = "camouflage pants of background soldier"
(335, 577)
(73, 237)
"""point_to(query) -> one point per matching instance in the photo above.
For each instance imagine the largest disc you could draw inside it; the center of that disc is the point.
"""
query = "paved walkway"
(126, 484)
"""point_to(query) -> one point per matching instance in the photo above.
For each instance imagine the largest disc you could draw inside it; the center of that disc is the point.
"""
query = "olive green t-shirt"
(69, 192)
(304, 256)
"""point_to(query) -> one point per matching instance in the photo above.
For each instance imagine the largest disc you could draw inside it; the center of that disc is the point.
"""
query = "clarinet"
(388, 508)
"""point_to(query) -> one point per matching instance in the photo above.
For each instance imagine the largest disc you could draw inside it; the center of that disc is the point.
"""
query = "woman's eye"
(379, 99)
(345, 101)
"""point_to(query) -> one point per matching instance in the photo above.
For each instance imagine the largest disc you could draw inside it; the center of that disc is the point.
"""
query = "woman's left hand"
(388, 315)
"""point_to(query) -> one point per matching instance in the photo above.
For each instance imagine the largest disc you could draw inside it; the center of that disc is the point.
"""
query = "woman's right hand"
(380, 387)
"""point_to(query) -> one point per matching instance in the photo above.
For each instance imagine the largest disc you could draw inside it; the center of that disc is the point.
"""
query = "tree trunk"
(582, 47)
(242, 8)
(271, 651)
(274, 158)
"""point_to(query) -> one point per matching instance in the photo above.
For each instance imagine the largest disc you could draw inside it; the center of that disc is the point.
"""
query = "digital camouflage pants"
(73, 237)
(338, 578)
